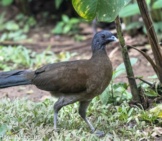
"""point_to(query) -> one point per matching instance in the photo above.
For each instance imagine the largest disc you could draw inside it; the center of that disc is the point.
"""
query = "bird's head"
(102, 38)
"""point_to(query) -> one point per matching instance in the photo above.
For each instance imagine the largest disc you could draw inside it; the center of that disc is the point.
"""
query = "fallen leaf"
(157, 131)
(157, 110)
(30, 92)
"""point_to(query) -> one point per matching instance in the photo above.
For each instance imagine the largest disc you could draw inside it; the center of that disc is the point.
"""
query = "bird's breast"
(100, 77)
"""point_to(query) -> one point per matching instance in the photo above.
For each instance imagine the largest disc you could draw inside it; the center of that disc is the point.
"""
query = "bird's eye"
(102, 36)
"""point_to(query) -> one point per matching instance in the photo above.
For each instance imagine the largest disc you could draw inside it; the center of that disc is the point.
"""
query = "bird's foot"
(99, 133)
(57, 130)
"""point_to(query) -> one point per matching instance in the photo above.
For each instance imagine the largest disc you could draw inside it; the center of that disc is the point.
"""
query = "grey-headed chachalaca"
(73, 81)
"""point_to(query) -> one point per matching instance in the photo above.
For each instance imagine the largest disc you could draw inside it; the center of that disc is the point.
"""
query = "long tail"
(15, 78)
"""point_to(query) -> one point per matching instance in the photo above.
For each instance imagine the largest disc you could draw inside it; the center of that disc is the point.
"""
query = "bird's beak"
(111, 39)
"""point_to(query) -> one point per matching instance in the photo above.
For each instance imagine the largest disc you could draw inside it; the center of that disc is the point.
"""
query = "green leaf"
(158, 27)
(117, 72)
(150, 92)
(105, 96)
(121, 84)
(65, 18)
(2, 18)
(121, 68)
(148, 2)
(102, 10)
(3, 37)
(157, 4)
(157, 110)
(129, 10)
(3, 130)
(66, 28)
(58, 3)
(6, 2)
(74, 21)
(133, 25)
(58, 28)
(12, 26)
(153, 77)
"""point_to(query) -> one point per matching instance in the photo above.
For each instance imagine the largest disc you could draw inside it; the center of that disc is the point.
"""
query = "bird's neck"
(99, 60)
(99, 52)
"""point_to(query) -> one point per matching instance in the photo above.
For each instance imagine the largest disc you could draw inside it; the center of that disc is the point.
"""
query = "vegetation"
(23, 119)
(116, 93)
(67, 26)
(21, 57)
(132, 10)
(15, 29)
(114, 8)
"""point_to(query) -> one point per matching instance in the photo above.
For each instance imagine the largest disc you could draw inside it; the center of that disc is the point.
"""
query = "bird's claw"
(57, 130)
(99, 133)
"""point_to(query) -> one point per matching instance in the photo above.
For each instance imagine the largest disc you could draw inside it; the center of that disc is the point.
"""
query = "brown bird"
(72, 81)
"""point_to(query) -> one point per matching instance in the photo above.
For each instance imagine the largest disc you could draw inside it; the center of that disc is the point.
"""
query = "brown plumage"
(73, 81)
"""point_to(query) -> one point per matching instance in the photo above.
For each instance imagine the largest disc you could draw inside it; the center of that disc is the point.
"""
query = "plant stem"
(151, 36)
(129, 70)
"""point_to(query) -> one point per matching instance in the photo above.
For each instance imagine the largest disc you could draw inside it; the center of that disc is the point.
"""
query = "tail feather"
(14, 78)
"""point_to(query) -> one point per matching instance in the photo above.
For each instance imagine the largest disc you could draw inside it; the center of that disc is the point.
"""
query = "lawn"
(22, 119)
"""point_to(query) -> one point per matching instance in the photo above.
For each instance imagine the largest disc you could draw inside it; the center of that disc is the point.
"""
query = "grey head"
(102, 38)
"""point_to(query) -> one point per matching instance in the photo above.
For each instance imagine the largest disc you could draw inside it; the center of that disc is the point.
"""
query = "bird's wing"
(67, 77)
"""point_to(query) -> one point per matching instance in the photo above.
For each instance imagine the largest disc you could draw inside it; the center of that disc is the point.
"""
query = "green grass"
(23, 119)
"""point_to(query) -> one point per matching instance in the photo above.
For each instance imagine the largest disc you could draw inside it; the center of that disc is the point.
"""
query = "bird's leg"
(57, 107)
(61, 102)
(55, 120)
(82, 111)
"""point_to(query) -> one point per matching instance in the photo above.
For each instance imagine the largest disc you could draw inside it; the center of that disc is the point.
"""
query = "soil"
(41, 39)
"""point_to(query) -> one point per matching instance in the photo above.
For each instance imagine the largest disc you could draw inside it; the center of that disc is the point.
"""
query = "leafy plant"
(21, 57)
(22, 119)
(6, 2)
(132, 10)
(102, 10)
(58, 3)
(67, 26)
(157, 4)
(129, 10)
(15, 29)
(151, 90)
(117, 92)
(150, 116)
